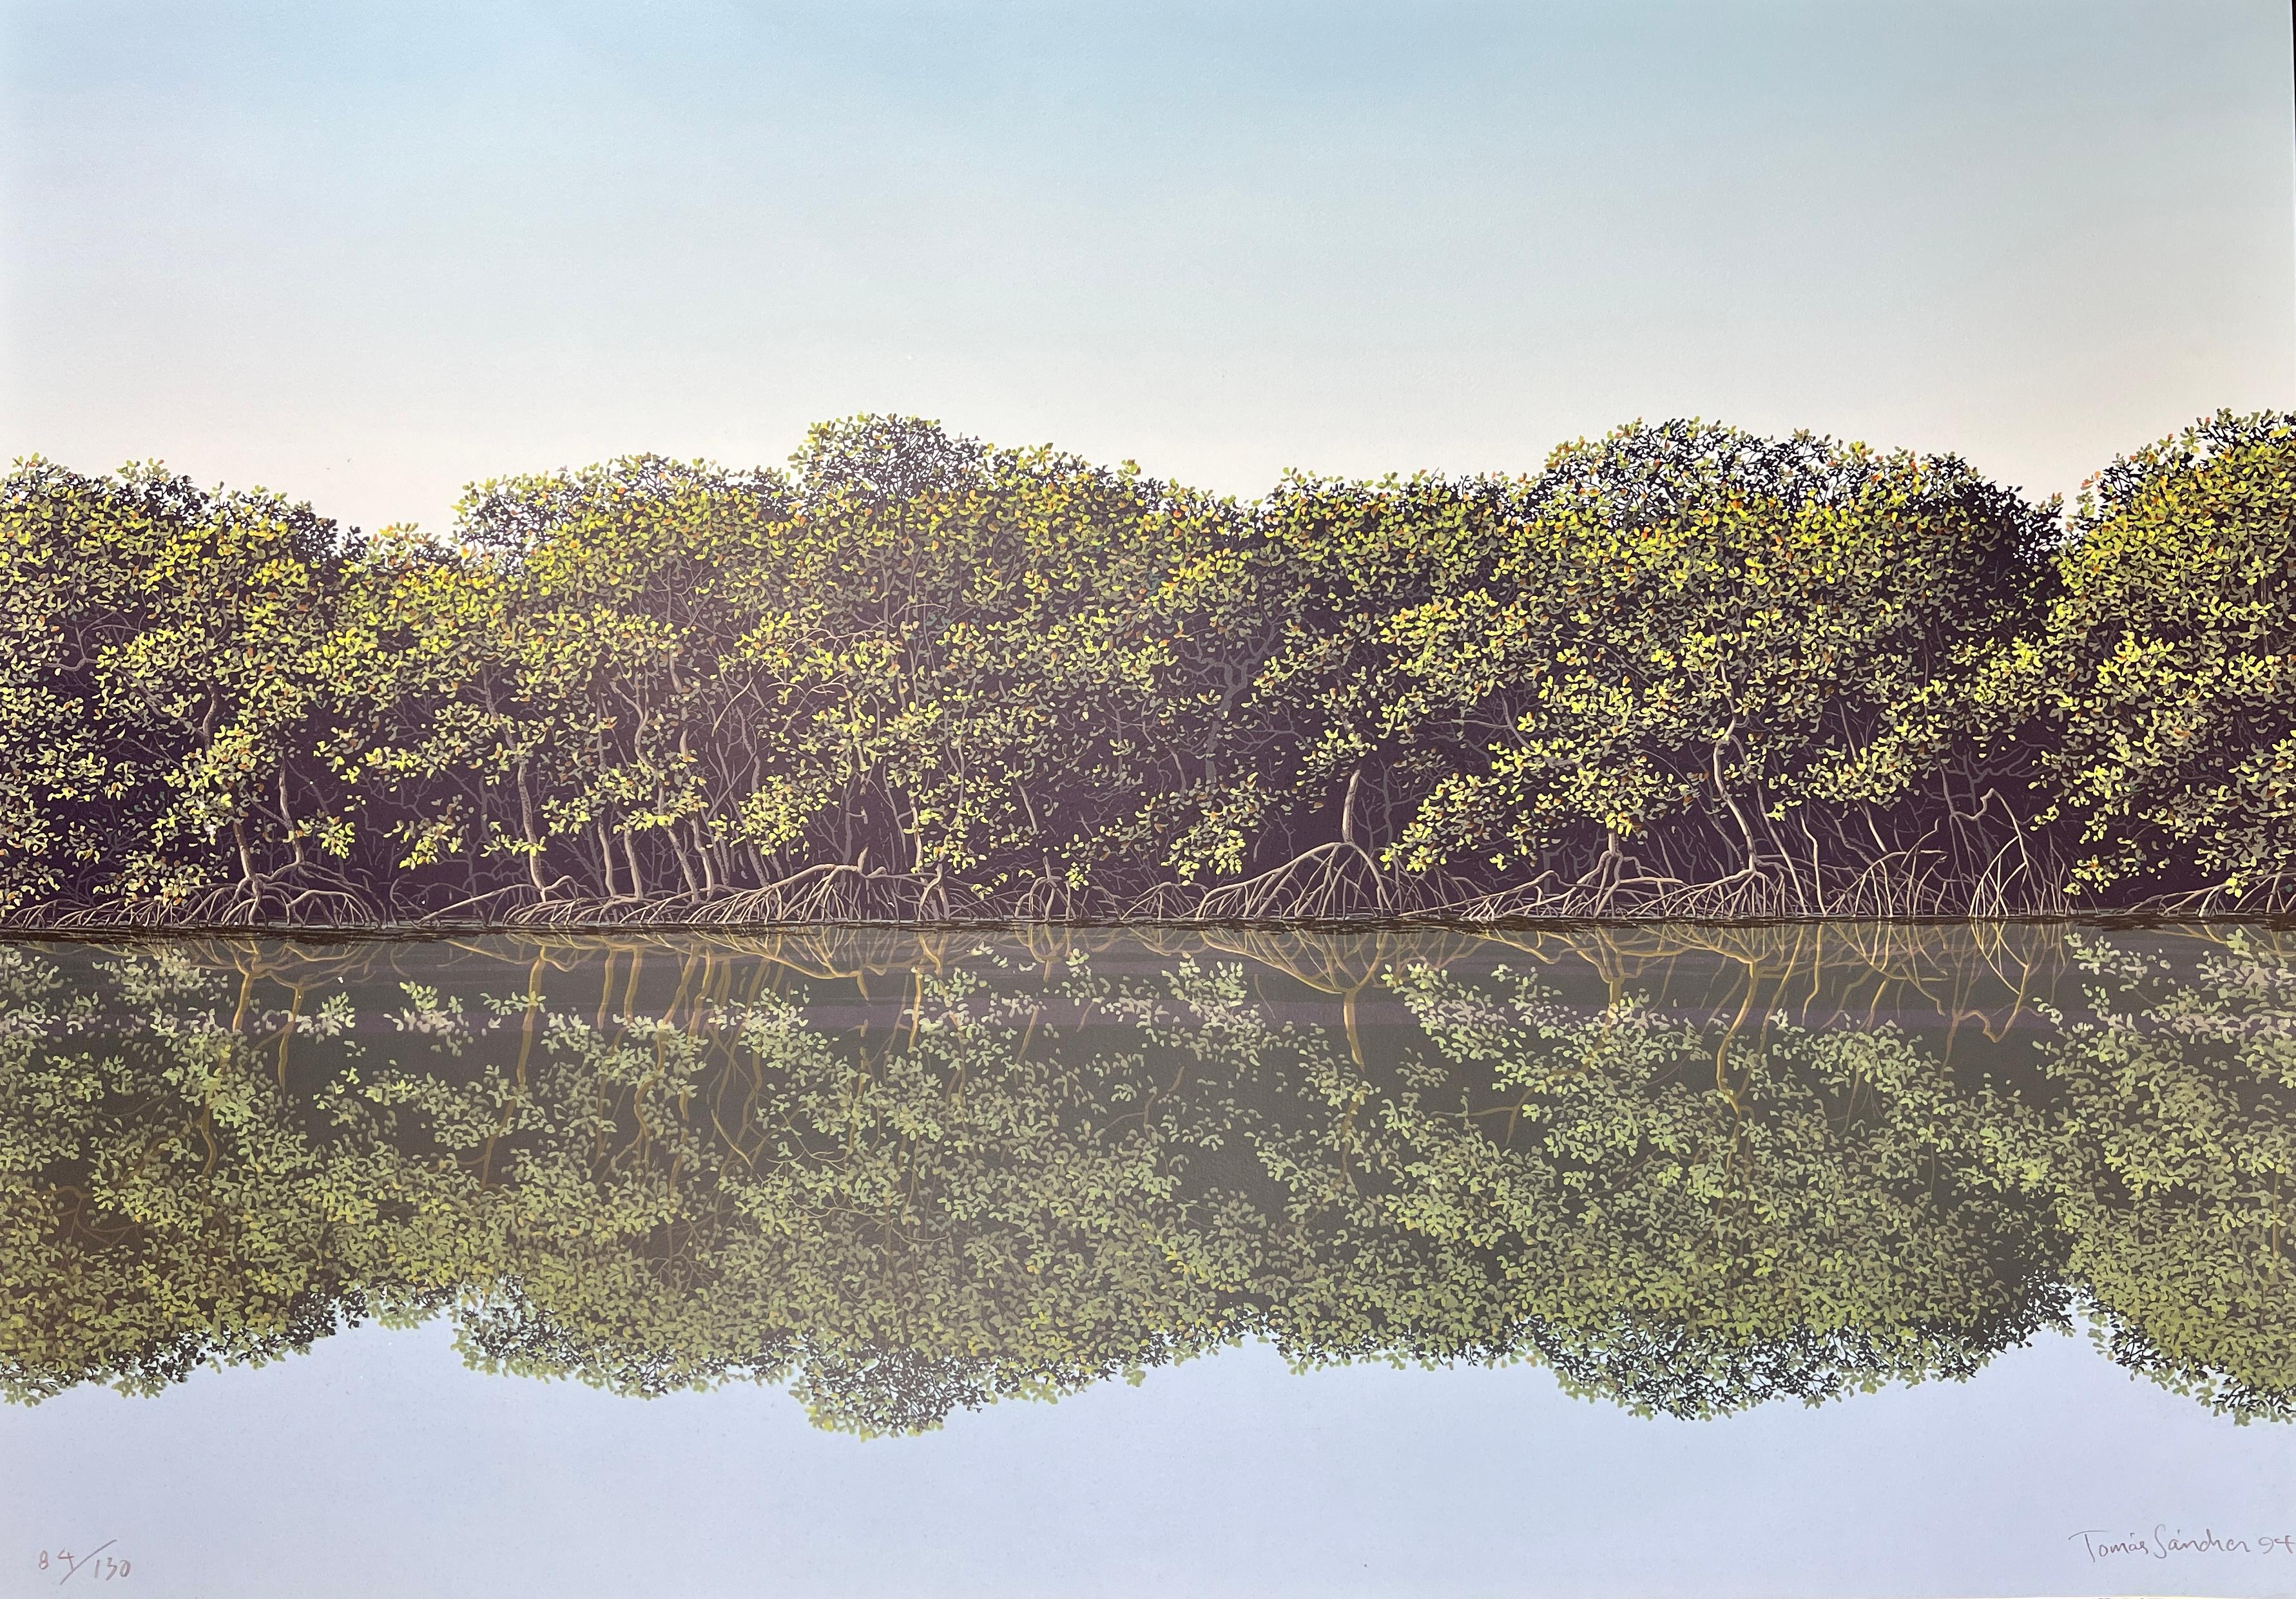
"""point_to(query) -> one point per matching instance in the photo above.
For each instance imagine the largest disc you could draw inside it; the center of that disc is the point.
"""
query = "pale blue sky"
(377, 1467)
(363, 254)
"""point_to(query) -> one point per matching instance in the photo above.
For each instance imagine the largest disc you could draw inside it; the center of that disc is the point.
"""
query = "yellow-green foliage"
(1659, 664)
(1689, 1176)
(1680, 670)
(2165, 672)
(161, 653)
(2178, 1151)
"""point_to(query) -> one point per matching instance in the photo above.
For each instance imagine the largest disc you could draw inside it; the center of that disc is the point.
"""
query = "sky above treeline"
(365, 254)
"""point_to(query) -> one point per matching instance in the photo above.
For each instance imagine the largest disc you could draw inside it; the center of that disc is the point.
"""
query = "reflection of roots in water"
(1950, 975)
(733, 1093)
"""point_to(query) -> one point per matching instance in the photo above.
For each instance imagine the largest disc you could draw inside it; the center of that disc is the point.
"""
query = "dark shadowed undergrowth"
(1680, 671)
(1689, 1169)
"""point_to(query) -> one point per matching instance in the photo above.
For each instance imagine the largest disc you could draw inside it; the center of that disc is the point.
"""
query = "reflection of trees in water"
(1688, 1169)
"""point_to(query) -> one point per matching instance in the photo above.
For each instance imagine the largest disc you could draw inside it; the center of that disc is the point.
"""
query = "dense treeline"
(1689, 1172)
(1681, 670)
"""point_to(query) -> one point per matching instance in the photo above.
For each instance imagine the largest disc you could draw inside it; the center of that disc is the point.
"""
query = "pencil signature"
(95, 1564)
(2160, 1543)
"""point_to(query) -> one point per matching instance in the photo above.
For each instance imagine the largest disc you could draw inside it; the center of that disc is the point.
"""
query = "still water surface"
(1853, 1258)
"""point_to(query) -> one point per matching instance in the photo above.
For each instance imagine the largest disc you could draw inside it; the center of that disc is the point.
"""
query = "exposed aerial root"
(1338, 882)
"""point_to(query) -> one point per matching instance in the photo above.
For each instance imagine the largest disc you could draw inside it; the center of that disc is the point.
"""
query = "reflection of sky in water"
(377, 1465)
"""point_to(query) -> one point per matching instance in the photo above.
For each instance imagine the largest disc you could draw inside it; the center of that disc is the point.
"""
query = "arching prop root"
(1325, 883)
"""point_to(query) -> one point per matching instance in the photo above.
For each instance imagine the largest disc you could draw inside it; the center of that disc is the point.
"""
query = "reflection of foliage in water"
(2176, 1149)
(1688, 1174)
(1697, 1223)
